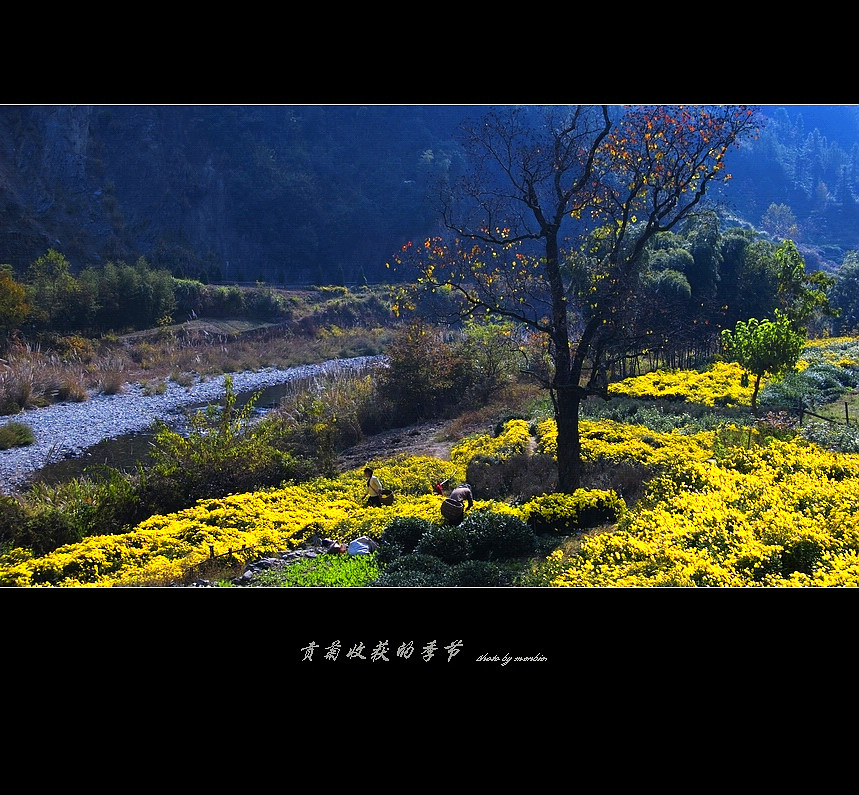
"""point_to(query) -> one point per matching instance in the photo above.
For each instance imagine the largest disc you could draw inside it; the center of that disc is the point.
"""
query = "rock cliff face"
(234, 192)
(42, 159)
(100, 183)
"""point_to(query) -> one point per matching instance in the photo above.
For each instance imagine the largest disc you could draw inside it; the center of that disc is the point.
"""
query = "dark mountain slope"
(323, 193)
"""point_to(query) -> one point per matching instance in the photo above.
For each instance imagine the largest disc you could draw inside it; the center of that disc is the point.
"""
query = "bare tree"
(550, 225)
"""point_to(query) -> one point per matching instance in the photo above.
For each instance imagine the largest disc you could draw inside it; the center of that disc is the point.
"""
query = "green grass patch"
(323, 571)
(843, 409)
(15, 434)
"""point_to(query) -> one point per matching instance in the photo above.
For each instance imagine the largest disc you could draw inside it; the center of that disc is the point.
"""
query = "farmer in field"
(463, 494)
(374, 489)
(457, 503)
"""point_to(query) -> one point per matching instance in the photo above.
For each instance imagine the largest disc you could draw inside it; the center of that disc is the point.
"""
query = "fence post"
(846, 414)
(801, 410)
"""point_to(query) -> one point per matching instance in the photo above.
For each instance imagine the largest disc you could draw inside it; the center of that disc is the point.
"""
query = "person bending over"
(463, 494)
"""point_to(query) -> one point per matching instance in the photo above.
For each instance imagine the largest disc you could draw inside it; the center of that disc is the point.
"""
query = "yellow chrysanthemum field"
(164, 548)
(783, 513)
(720, 384)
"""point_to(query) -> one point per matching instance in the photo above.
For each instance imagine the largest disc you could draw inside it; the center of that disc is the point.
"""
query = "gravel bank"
(66, 430)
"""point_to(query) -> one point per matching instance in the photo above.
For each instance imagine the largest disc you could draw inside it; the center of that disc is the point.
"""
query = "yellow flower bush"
(405, 474)
(514, 439)
(719, 384)
(833, 344)
(782, 515)
(565, 514)
(618, 442)
(164, 548)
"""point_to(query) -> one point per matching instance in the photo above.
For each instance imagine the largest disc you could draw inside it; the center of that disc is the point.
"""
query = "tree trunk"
(569, 443)
(566, 378)
(755, 397)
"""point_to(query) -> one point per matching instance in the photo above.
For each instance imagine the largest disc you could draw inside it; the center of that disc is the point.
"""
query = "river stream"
(116, 430)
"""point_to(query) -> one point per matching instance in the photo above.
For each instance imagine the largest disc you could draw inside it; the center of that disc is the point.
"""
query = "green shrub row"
(427, 571)
(484, 550)
(325, 571)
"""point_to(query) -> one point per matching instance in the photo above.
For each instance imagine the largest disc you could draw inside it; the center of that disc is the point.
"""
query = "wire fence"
(803, 411)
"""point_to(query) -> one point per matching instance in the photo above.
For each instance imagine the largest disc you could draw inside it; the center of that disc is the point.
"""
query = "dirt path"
(426, 439)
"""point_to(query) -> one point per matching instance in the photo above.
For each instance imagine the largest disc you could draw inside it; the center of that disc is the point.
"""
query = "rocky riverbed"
(65, 430)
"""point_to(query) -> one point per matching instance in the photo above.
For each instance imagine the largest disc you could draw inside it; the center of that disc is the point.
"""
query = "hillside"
(324, 194)
(289, 194)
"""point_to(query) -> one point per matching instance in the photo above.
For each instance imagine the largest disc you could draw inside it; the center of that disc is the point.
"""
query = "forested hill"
(800, 179)
(326, 193)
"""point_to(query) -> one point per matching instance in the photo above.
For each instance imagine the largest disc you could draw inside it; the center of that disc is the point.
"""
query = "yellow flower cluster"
(719, 384)
(832, 342)
(842, 352)
(782, 515)
(164, 548)
(403, 474)
(618, 442)
(565, 514)
(514, 439)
